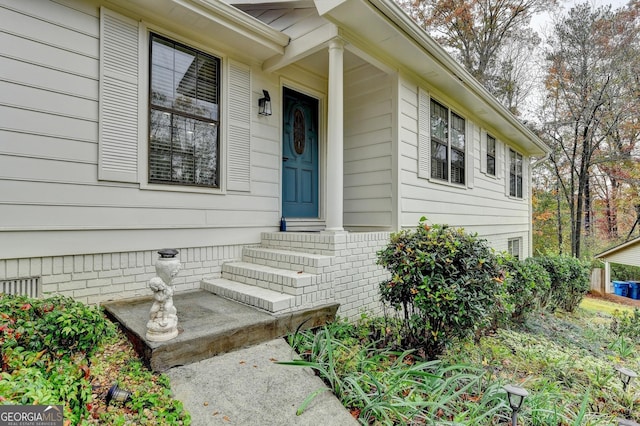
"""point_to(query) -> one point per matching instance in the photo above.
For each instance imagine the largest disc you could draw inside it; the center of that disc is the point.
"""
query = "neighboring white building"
(127, 126)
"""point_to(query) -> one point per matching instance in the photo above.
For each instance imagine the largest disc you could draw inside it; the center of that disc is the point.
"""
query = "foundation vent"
(27, 286)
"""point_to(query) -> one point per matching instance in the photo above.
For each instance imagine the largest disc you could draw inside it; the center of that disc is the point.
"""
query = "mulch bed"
(616, 299)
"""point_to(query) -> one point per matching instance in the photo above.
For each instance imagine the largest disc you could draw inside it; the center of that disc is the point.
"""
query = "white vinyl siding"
(54, 203)
(368, 149)
(480, 206)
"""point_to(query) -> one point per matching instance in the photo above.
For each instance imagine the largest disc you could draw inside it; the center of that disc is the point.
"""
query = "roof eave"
(342, 12)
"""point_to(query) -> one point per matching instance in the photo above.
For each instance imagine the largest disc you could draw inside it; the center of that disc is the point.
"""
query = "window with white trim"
(491, 155)
(515, 174)
(184, 115)
(513, 247)
(447, 144)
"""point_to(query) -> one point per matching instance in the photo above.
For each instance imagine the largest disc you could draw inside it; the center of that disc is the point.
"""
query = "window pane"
(206, 154)
(515, 174)
(491, 155)
(513, 247)
(457, 166)
(439, 122)
(491, 165)
(491, 146)
(439, 161)
(518, 175)
(207, 92)
(162, 86)
(160, 146)
(457, 132)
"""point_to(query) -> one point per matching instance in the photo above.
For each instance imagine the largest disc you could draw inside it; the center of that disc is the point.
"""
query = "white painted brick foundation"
(95, 278)
(333, 267)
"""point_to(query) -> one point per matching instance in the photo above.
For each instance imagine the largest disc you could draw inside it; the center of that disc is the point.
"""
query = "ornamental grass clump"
(445, 284)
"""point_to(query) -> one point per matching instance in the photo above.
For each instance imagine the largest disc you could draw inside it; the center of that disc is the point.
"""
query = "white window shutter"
(470, 144)
(239, 127)
(118, 110)
(525, 176)
(424, 138)
(483, 151)
(502, 159)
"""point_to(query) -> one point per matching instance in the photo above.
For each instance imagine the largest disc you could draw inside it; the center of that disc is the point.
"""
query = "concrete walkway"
(222, 365)
(247, 387)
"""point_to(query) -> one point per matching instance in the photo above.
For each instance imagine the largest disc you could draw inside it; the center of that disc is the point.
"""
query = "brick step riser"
(311, 264)
(267, 283)
(278, 306)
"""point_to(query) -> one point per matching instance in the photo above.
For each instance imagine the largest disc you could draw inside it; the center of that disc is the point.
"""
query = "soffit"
(212, 21)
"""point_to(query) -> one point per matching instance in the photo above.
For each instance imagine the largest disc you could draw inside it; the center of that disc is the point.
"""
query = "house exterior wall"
(95, 239)
(480, 206)
(53, 201)
(368, 149)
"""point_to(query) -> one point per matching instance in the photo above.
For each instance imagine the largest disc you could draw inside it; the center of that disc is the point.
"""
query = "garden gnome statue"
(163, 321)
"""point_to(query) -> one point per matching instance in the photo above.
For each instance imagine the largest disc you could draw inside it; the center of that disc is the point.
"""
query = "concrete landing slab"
(208, 325)
(247, 387)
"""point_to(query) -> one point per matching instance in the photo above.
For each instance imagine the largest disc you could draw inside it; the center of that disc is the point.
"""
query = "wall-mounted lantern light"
(626, 376)
(516, 397)
(264, 104)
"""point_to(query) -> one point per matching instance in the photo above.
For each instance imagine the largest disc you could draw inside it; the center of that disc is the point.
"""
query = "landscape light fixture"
(264, 104)
(516, 397)
(117, 394)
(626, 376)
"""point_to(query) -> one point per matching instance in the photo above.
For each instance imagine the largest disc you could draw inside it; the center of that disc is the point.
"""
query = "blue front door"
(299, 155)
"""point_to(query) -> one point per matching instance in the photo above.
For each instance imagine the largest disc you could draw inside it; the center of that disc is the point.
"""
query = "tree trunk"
(559, 218)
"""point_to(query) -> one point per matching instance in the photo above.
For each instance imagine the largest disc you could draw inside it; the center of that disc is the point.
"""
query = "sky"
(541, 22)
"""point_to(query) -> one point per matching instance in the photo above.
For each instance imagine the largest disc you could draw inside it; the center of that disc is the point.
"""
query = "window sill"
(447, 183)
(490, 176)
(180, 188)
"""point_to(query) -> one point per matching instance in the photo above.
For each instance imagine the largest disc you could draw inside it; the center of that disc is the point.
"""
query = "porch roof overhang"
(236, 29)
(382, 26)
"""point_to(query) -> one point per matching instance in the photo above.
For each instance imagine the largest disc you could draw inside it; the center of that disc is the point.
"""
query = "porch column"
(335, 134)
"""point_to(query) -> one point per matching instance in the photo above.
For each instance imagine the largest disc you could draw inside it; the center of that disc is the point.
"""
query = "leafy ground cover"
(58, 351)
(566, 361)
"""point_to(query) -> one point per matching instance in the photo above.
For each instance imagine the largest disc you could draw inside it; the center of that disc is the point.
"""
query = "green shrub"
(625, 324)
(620, 272)
(444, 283)
(526, 284)
(569, 281)
(44, 345)
(58, 324)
